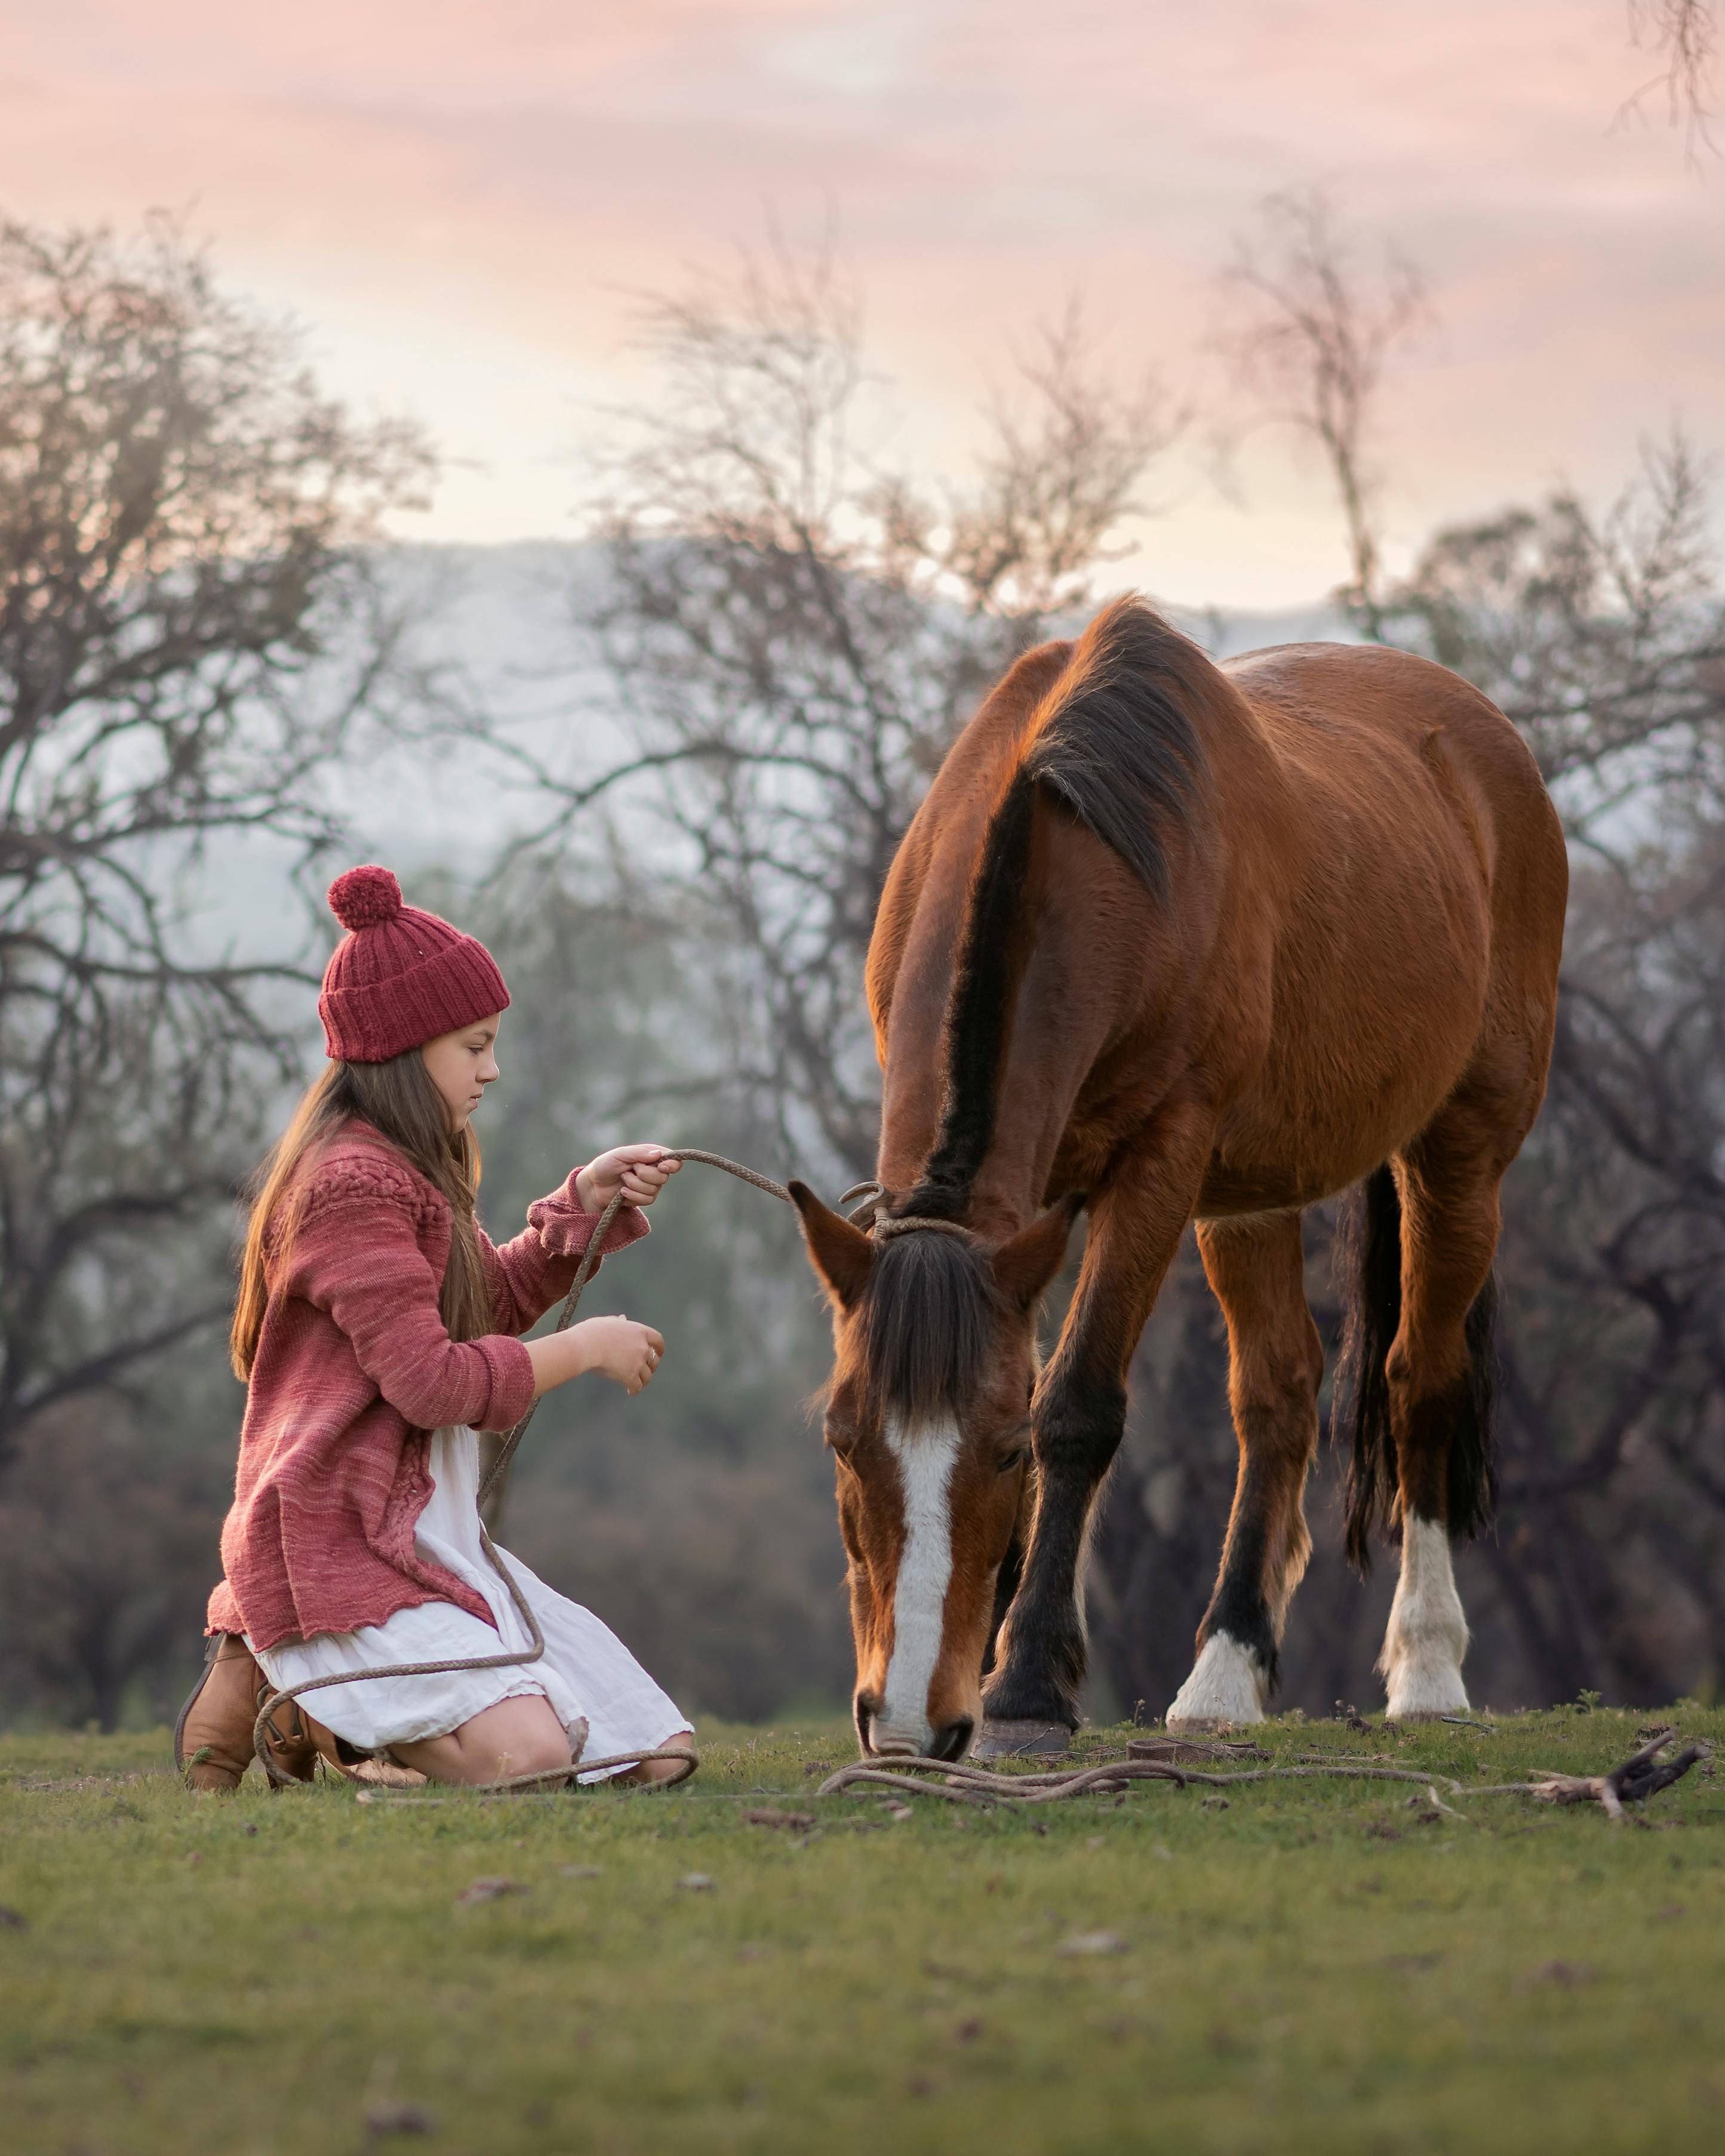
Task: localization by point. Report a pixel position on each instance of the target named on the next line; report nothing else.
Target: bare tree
(1604, 638)
(1066, 456)
(1684, 34)
(1309, 333)
(1600, 635)
(795, 634)
(1613, 1439)
(106, 1542)
(187, 632)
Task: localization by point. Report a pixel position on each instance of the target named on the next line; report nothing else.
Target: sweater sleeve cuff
(566, 1228)
(511, 1368)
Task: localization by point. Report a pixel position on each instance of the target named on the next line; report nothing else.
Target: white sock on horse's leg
(1226, 1685)
(1427, 1634)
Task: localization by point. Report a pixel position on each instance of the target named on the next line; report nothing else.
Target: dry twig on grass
(1642, 1775)
(1181, 1750)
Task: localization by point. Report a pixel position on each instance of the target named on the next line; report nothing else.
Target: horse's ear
(840, 1254)
(1024, 1265)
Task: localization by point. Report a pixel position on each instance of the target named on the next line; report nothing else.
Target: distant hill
(498, 632)
(503, 623)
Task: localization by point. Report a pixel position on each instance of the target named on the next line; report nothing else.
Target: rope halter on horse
(868, 1216)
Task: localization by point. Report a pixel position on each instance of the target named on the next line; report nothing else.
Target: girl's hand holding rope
(616, 1348)
(636, 1173)
(663, 1160)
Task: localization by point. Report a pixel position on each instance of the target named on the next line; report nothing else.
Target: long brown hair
(399, 1100)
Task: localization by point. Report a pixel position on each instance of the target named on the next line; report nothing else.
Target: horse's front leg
(1257, 1269)
(1137, 1219)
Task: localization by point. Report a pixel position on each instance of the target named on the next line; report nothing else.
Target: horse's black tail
(1369, 1264)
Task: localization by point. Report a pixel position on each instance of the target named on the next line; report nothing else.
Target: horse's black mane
(979, 1012)
(1117, 749)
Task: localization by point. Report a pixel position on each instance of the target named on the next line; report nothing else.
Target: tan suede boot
(213, 1738)
(371, 1771)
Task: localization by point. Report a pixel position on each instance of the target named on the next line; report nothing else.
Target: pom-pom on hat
(401, 976)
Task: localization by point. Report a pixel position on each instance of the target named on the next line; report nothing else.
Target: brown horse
(1170, 941)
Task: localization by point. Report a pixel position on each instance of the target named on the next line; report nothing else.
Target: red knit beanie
(402, 977)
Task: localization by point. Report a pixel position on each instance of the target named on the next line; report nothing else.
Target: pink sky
(457, 198)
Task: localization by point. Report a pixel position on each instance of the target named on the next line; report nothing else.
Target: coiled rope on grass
(1640, 1776)
(963, 1783)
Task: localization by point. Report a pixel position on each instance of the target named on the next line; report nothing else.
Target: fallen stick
(1181, 1750)
(1642, 1775)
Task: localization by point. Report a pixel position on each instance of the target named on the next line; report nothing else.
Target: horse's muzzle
(887, 1740)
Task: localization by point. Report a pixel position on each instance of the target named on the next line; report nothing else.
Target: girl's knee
(652, 1772)
(545, 1758)
(531, 1743)
(516, 1736)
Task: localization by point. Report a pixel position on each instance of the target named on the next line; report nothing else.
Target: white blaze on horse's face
(926, 1456)
(927, 1421)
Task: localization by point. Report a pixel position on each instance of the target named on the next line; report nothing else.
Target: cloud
(462, 201)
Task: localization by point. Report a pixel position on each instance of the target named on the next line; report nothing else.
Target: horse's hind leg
(1438, 1378)
(1275, 1367)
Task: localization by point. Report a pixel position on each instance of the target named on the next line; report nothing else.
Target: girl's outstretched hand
(618, 1347)
(640, 1172)
(621, 1348)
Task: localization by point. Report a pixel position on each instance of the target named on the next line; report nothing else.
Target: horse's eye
(1009, 1461)
(839, 1439)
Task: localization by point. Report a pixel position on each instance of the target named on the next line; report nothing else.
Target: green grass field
(1314, 1966)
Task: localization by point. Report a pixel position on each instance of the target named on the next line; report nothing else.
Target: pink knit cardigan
(354, 1368)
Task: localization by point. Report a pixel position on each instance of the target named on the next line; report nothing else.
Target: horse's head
(928, 1420)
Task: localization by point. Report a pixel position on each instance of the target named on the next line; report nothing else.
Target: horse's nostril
(863, 1709)
(953, 1740)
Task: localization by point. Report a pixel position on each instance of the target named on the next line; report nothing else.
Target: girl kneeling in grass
(376, 1330)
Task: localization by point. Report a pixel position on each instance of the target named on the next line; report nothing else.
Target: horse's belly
(1231, 1192)
(1310, 1162)
(1228, 1194)
(1331, 1103)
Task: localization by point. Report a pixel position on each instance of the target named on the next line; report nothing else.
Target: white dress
(586, 1671)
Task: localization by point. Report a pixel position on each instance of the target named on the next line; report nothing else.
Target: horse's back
(1392, 766)
(1348, 714)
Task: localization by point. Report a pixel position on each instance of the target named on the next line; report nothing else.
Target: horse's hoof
(1023, 1740)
